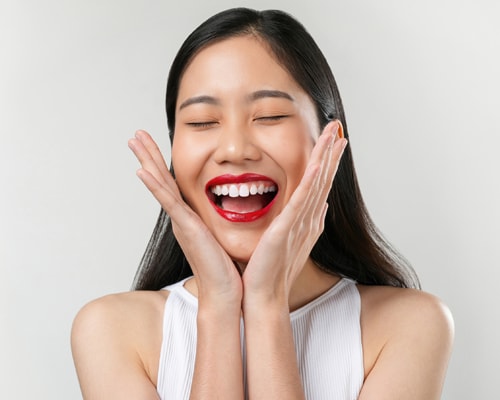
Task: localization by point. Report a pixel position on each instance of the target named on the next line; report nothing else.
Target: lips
(241, 198)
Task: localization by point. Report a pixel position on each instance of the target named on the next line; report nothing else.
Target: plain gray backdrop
(420, 83)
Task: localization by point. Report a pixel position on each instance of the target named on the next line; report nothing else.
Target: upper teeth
(242, 189)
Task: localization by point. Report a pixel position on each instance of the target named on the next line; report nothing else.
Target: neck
(311, 283)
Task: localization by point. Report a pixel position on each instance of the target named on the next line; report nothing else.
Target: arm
(414, 333)
(107, 344)
(218, 371)
(273, 372)
(274, 267)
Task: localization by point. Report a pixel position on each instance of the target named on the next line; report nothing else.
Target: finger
(334, 161)
(321, 156)
(149, 163)
(317, 210)
(169, 199)
(306, 190)
(322, 217)
(324, 141)
(313, 205)
(330, 165)
(321, 180)
(153, 150)
(304, 200)
(191, 234)
(183, 217)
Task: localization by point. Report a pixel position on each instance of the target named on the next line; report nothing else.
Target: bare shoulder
(123, 307)
(404, 305)
(115, 342)
(408, 334)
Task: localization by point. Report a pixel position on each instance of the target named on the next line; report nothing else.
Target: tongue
(243, 204)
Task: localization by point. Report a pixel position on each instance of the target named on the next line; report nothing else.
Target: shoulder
(404, 309)
(407, 332)
(117, 337)
(126, 306)
(399, 304)
(120, 317)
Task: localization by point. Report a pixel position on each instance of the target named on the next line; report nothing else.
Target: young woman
(277, 285)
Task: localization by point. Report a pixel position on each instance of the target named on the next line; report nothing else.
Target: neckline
(295, 314)
(192, 299)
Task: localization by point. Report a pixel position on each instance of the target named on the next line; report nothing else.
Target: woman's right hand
(217, 278)
(218, 365)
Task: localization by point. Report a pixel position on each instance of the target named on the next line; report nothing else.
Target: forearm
(272, 368)
(218, 371)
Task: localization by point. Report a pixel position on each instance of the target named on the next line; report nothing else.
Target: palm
(213, 269)
(285, 246)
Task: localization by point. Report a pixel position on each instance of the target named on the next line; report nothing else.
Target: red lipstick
(228, 179)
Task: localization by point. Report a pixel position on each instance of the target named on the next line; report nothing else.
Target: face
(244, 133)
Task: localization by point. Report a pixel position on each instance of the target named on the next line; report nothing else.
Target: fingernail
(335, 127)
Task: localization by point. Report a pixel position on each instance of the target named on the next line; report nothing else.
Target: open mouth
(243, 198)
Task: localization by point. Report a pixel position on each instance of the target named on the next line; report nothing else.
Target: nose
(236, 145)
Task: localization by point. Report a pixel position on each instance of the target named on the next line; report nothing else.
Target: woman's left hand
(286, 245)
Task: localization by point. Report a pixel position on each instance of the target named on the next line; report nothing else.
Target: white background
(420, 83)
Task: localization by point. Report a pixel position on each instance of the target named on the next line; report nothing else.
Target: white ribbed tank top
(327, 336)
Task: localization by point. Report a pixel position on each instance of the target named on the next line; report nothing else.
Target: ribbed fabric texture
(327, 336)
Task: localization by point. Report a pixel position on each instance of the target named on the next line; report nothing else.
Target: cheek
(291, 153)
(296, 157)
(187, 161)
(190, 159)
(178, 166)
(295, 160)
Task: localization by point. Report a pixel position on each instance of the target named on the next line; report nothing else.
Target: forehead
(241, 62)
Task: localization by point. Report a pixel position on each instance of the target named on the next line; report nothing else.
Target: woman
(277, 284)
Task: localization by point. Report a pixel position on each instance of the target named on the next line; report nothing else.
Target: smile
(241, 198)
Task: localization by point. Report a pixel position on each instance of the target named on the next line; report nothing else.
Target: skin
(406, 334)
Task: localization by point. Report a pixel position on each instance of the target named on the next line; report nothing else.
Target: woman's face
(244, 132)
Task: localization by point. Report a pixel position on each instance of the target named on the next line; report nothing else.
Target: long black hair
(350, 245)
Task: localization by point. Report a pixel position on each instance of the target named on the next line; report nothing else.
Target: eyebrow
(199, 99)
(259, 94)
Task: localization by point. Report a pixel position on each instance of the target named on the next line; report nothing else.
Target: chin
(239, 256)
(239, 251)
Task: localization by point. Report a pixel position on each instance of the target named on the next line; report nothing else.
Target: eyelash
(208, 124)
(271, 118)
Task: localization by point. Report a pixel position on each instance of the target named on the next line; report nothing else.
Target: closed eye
(272, 118)
(201, 124)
